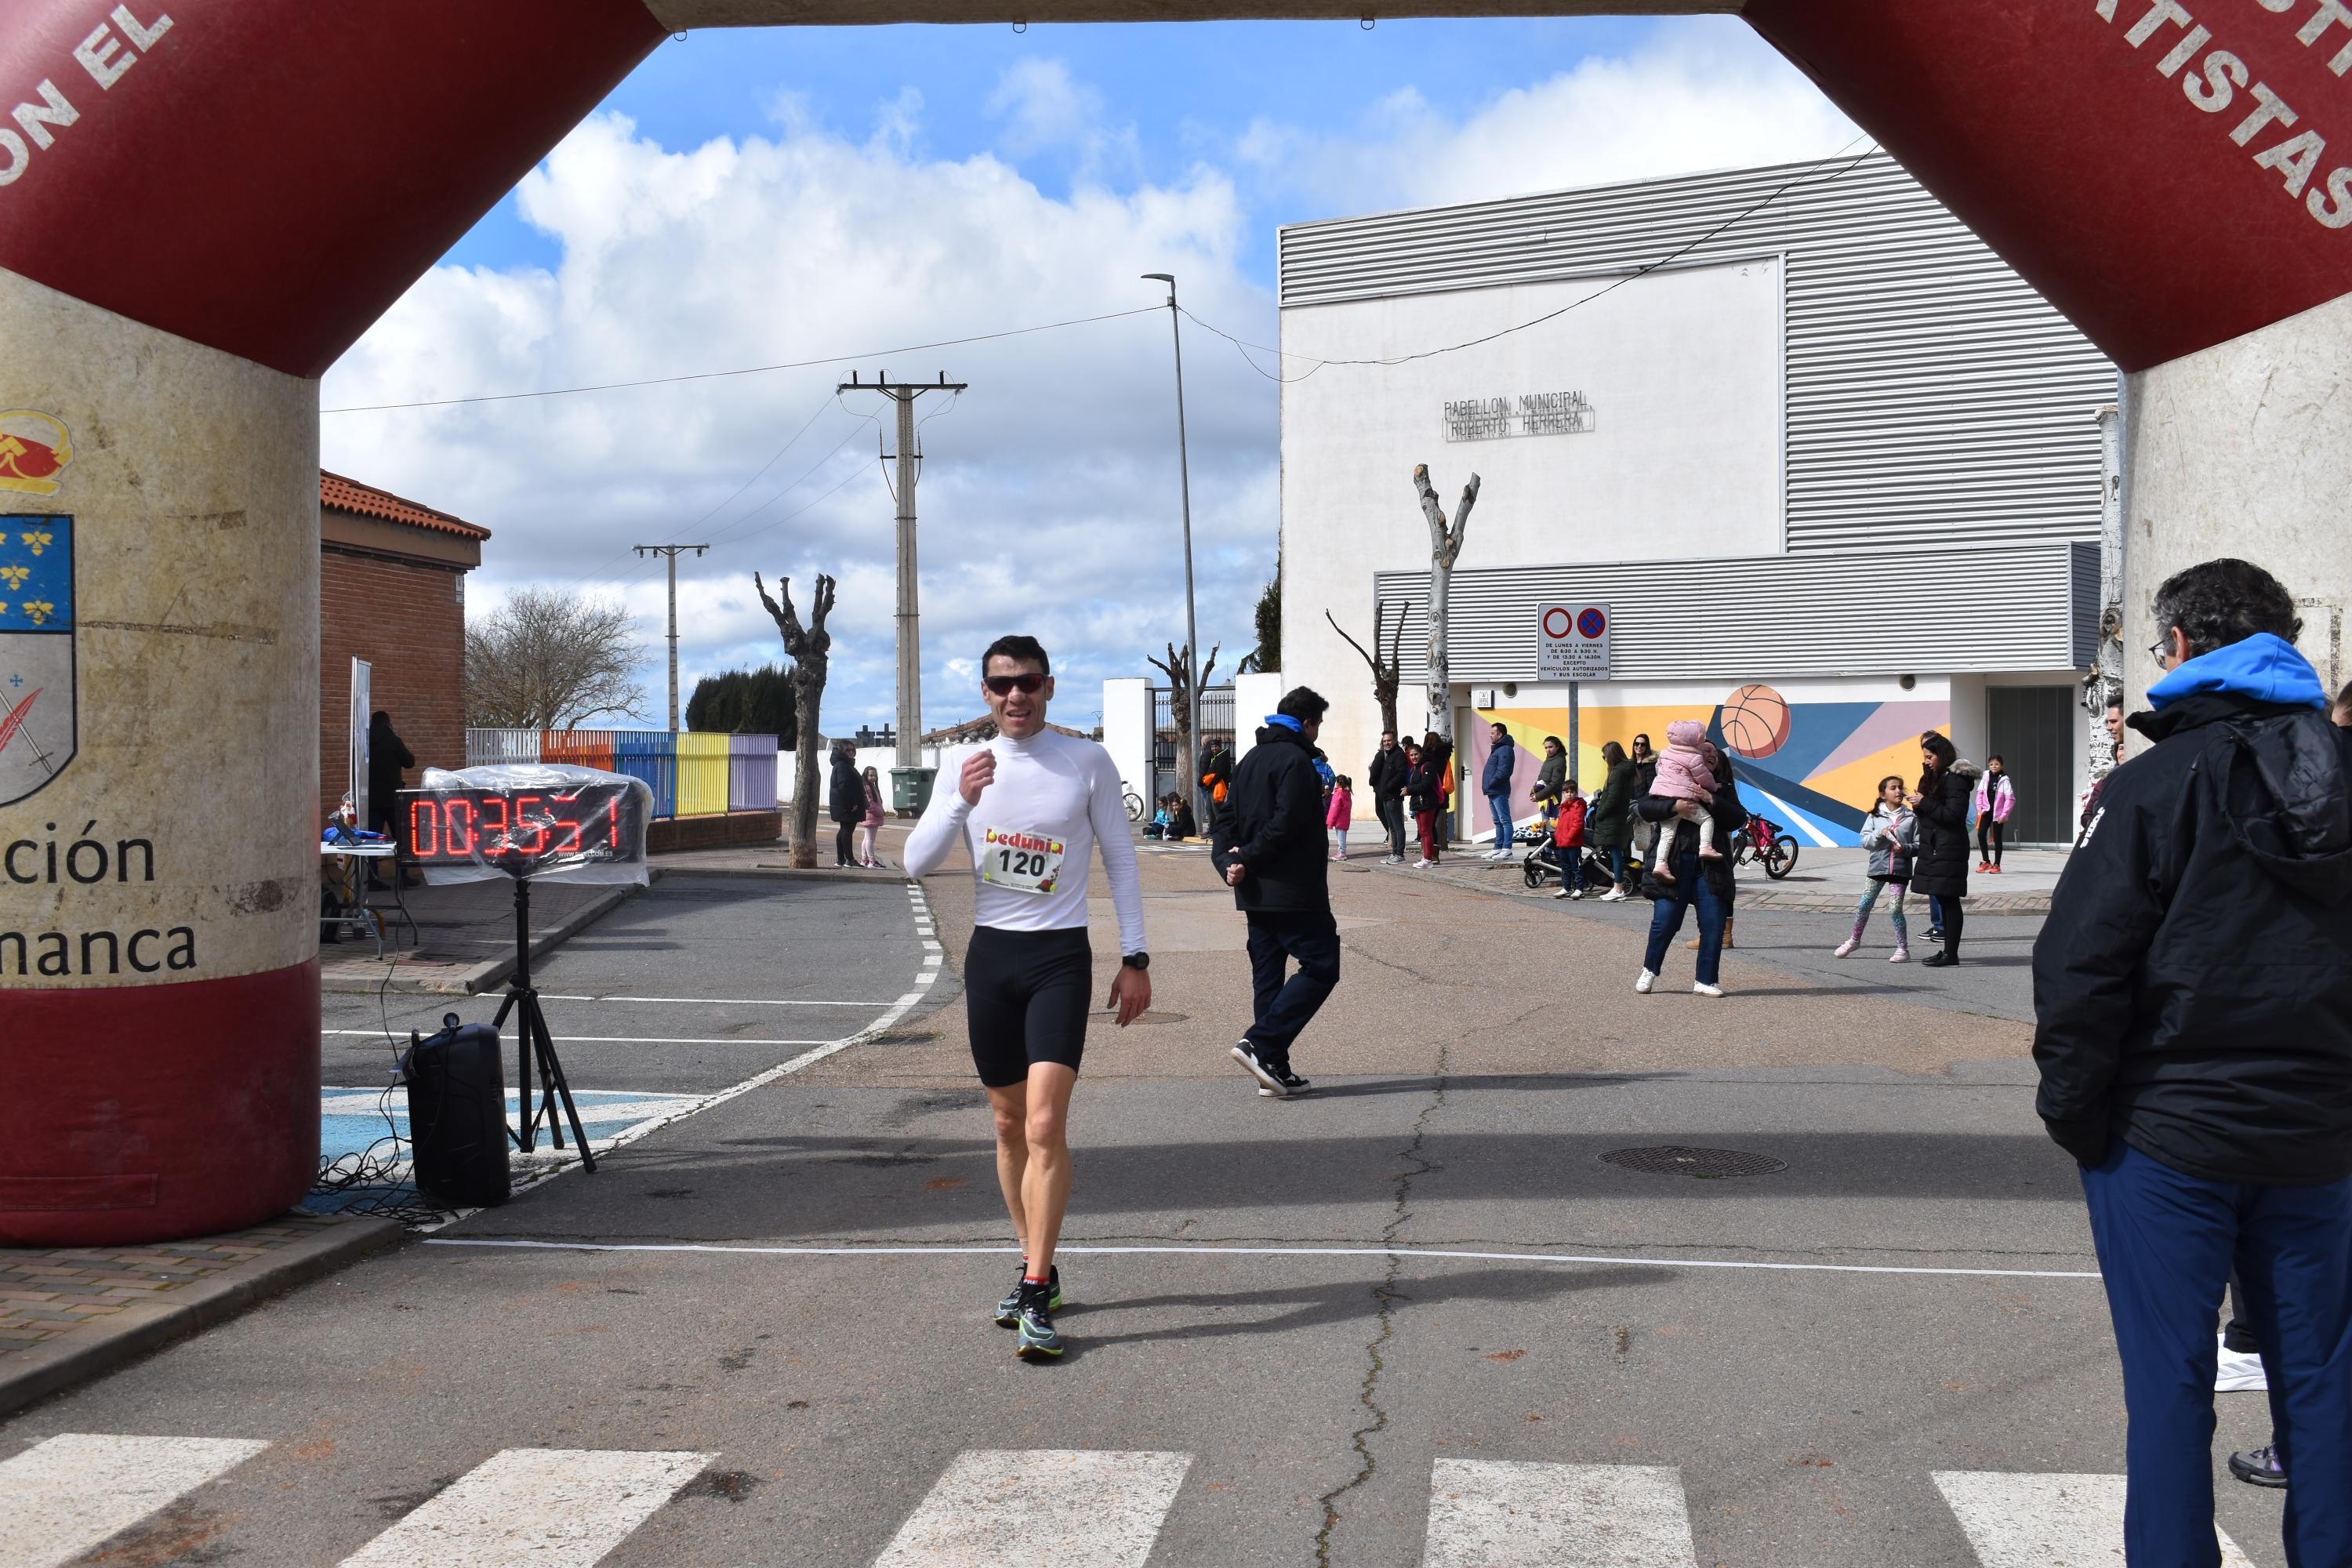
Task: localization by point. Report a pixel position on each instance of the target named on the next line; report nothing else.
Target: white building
(1827, 451)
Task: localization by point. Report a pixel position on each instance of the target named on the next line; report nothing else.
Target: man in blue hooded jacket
(2192, 993)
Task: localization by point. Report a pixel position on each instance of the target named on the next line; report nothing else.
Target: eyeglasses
(1006, 685)
(2160, 650)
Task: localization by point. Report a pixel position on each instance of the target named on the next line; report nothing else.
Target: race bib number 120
(1024, 862)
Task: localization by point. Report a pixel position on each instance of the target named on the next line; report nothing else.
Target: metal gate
(1216, 725)
(2036, 731)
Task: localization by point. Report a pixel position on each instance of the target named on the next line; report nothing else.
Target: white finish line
(562, 1507)
(1493, 1513)
(1074, 1249)
(2041, 1520)
(631, 1040)
(1064, 1506)
(61, 1497)
(710, 1001)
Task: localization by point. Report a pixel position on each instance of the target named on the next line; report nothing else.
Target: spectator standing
(1551, 778)
(1646, 779)
(1387, 776)
(1609, 821)
(1494, 783)
(2116, 737)
(1268, 848)
(1339, 812)
(1432, 783)
(1992, 801)
(1703, 885)
(1890, 833)
(845, 800)
(388, 754)
(2192, 991)
(870, 824)
(1567, 843)
(1687, 776)
(1940, 867)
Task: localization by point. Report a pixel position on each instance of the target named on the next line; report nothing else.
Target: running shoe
(1422, 865)
(2239, 1371)
(1039, 1336)
(2259, 1466)
(1268, 1078)
(1846, 947)
(1900, 955)
(1291, 1084)
(1644, 981)
(1008, 1311)
(1701, 988)
(1613, 896)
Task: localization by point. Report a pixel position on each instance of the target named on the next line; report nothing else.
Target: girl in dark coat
(1940, 870)
(1608, 825)
(1427, 791)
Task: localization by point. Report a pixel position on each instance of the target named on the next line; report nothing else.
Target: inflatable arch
(204, 202)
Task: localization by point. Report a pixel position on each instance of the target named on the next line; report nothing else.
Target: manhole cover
(1157, 1016)
(1680, 1162)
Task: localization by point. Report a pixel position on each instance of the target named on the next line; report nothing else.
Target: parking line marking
(1440, 1253)
(1496, 1513)
(539, 1505)
(1073, 1508)
(66, 1495)
(2046, 1520)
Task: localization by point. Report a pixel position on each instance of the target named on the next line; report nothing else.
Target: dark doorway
(2033, 733)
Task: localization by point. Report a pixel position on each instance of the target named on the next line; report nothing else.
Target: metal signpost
(1573, 644)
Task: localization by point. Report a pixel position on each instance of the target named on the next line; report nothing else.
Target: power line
(1242, 346)
(748, 370)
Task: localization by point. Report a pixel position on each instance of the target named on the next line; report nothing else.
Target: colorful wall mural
(1812, 767)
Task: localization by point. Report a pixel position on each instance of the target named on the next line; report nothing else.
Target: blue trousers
(1691, 886)
(1498, 806)
(2167, 1242)
(1285, 1006)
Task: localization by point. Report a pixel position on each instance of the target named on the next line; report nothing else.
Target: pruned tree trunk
(1387, 671)
(1445, 549)
(2106, 681)
(808, 648)
(1178, 668)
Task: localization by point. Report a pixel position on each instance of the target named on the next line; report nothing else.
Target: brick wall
(406, 619)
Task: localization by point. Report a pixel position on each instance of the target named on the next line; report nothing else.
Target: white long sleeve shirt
(1052, 795)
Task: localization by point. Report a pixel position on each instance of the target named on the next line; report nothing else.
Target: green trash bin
(910, 790)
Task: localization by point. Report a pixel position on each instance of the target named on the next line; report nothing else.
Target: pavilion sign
(1529, 413)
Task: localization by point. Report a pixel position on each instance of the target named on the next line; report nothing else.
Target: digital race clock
(527, 821)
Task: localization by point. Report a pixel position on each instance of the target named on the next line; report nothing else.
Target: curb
(1751, 895)
(491, 972)
(142, 1328)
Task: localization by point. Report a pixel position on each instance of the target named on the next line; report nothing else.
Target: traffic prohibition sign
(1589, 624)
(1556, 622)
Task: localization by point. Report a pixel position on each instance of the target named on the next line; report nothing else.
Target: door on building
(2036, 731)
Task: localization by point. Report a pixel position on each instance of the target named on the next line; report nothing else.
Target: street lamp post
(1191, 764)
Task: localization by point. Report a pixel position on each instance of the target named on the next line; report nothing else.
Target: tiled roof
(350, 495)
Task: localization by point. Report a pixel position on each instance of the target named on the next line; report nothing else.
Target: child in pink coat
(1338, 813)
(1686, 773)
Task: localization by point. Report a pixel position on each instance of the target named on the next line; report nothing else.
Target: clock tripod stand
(534, 1043)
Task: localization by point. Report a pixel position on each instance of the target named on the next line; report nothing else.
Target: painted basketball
(1754, 721)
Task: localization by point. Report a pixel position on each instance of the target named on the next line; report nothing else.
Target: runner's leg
(1011, 1105)
(1045, 1184)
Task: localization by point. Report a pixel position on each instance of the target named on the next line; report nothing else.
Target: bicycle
(1765, 843)
(1134, 806)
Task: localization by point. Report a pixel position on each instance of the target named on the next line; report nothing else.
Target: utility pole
(671, 550)
(910, 614)
(1191, 764)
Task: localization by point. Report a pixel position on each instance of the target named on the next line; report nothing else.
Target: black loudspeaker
(457, 1115)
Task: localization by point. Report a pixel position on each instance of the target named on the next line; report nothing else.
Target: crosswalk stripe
(552, 1507)
(1496, 1513)
(2046, 1520)
(1073, 1509)
(62, 1497)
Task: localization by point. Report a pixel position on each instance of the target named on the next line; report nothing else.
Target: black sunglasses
(1006, 685)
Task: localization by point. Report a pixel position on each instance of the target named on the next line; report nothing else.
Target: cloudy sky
(752, 198)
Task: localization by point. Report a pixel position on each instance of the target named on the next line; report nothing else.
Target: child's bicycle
(1767, 844)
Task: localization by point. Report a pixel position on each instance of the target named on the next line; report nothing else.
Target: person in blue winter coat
(2192, 999)
(1496, 785)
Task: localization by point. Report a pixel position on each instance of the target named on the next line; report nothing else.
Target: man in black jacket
(2192, 991)
(1269, 848)
(1387, 776)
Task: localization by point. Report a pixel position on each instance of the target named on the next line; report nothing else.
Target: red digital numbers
(462, 827)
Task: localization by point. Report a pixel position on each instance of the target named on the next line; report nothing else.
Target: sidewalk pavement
(1825, 880)
(465, 937)
(72, 1313)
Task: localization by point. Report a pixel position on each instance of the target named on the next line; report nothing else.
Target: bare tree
(1445, 549)
(808, 647)
(1178, 668)
(550, 658)
(1386, 667)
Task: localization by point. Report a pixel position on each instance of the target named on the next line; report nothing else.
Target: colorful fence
(691, 773)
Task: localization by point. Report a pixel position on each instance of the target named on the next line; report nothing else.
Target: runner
(1031, 807)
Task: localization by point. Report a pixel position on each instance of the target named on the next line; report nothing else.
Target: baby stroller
(1543, 866)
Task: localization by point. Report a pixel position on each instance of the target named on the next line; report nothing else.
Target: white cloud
(1700, 94)
(1049, 497)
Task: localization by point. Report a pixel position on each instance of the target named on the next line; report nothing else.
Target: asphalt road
(1416, 1318)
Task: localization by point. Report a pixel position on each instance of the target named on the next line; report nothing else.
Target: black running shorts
(1025, 996)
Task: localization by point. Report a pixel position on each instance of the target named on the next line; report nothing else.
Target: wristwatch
(1136, 960)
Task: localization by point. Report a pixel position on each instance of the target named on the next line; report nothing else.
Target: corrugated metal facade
(1933, 398)
(1787, 615)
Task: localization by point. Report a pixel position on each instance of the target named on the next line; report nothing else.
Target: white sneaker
(1564, 893)
(1576, 893)
(1613, 896)
(1645, 981)
(1846, 947)
(1701, 988)
(1422, 865)
(2239, 1371)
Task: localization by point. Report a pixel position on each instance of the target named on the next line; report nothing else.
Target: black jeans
(1988, 830)
(1284, 1007)
(1391, 813)
(844, 845)
(1949, 918)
